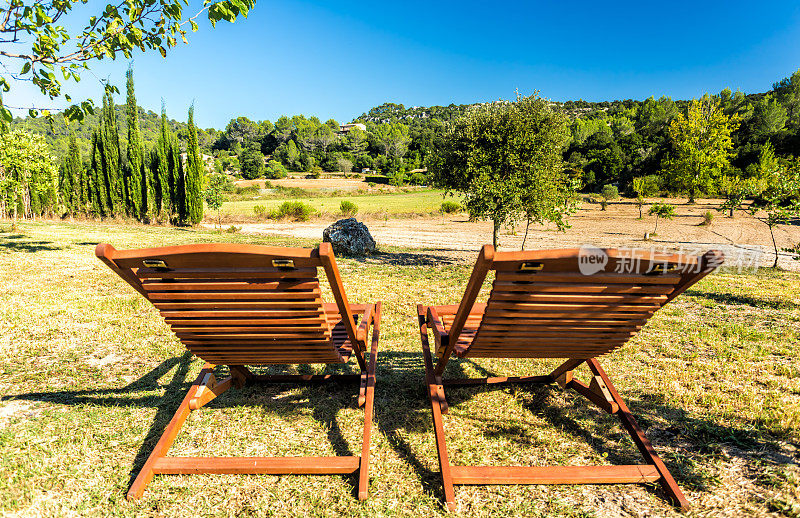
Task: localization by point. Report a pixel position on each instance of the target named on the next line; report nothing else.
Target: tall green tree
(70, 179)
(506, 160)
(135, 179)
(179, 178)
(701, 146)
(163, 174)
(111, 190)
(28, 176)
(252, 162)
(194, 175)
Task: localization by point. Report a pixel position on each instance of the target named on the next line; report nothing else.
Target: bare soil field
(744, 239)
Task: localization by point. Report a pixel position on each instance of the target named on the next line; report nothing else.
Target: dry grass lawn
(90, 376)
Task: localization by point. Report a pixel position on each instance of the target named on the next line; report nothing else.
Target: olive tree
(505, 158)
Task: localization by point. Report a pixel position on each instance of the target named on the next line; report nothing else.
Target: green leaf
(26, 67)
(5, 113)
(194, 25)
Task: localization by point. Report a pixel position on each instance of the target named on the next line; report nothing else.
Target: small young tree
(344, 165)
(734, 190)
(661, 210)
(608, 193)
(644, 187)
(215, 193)
(701, 146)
(505, 158)
(780, 198)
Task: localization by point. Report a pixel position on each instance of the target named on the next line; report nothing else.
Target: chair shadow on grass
(23, 243)
(668, 426)
(324, 399)
(407, 258)
(744, 300)
(402, 405)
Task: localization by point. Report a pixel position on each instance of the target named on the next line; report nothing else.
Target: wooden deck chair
(542, 306)
(239, 305)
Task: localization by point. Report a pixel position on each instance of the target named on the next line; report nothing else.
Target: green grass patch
(418, 202)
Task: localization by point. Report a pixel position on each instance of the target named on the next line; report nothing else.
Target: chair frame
(599, 391)
(207, 387)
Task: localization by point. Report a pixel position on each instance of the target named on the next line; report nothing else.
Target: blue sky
(337, 59)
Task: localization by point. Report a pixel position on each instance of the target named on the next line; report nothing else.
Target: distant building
(345, 128)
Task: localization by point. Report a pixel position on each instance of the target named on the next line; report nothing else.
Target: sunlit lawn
(91, 375)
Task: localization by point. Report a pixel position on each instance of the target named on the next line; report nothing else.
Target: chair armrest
(435, 323)
(366, 321)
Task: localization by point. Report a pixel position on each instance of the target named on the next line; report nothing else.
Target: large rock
(349, 237)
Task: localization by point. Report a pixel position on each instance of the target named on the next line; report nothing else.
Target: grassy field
(421, 202)
(91, 375)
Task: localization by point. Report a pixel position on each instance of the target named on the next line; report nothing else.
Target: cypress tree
(96, 193)
(110, 155)
(136, 184)
(69, 180)
(162, 177)
(180, 182)
(194, 200)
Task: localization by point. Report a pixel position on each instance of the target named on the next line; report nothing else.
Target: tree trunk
(774, 245)
(495, 232)
(527, 226)
(640, 211)
(691, 196)
(656, 229)
(730, 215)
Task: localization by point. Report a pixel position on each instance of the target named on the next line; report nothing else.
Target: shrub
(296, 210)
(708, 217)
(371, 184)
(418, 179)
(348, 208)
(251, 190)
(275, 170)
(260, 211)
(315, 172)
(450, 207)
(233, 229)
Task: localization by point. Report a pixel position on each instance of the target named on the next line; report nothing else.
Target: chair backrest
(240, 304)
(572, 303)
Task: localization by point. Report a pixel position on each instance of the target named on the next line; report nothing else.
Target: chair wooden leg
(167, 438)
(666, 480)
(206, 388)
(436, 409)
(369, 396)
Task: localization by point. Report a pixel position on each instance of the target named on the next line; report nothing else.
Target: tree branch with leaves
(47, 48)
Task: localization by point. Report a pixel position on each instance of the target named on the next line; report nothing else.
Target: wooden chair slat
(225, 285)
(555, 287)
(212, 274)
(578, 278)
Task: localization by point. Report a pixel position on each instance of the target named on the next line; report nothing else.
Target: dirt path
(744, 239)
